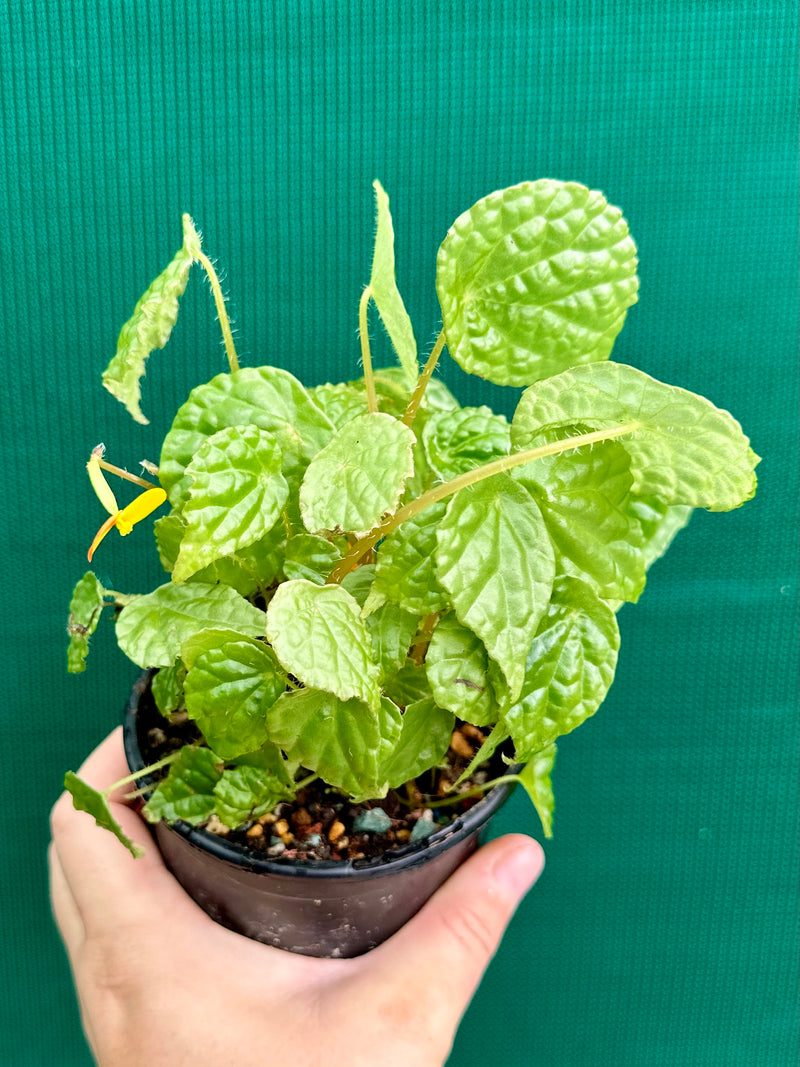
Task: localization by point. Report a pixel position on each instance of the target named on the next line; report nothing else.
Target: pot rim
(413, 855)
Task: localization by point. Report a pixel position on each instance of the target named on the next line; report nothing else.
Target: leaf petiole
(165, 762)
(366, 355)
(424, 378)
(219, 300)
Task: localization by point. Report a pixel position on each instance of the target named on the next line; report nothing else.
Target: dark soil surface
(322, 824)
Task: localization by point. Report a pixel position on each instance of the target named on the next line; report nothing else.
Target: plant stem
(487, 470)
(366, 355)
(140, 774)
(476, 790)
(424, 378)
(124, 474)
(222, 314)
(306, 781)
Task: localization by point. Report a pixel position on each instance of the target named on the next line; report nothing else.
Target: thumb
(453, 938)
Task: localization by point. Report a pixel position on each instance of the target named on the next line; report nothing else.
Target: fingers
(106, 883)
(453, 938)
(65, 910)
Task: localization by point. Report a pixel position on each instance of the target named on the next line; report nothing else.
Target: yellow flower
(123, 518)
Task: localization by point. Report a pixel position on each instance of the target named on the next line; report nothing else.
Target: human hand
(162, 984)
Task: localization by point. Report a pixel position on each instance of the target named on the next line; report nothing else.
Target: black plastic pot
(334, 909)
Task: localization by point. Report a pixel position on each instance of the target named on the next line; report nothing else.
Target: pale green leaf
(341, 402)
(391, 629)
(458, 441)
(409, 685)
(236, 496)
(533, 279)
(683, 450)
(149, 326)
(320, 638)
(231, 682)
(85, 609)
(405, 572)
(86, 798)
(187, 793)
(569, 669)
(495, 559)
(166, 686)
(246, 791)
(384, 291)
(359, 476)
(152, 629)
(345, 742)
(311, 557)
(422, 744)
(535, 779)
(461, 674)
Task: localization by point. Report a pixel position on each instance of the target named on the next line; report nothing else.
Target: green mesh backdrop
(663, 931)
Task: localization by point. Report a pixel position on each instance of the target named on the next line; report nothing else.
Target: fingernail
(519, 868)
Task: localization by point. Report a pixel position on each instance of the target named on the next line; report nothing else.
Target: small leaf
(423, 742)
(149, 326)
(359, 476)
(405, 570)
(320, 638)
(495, 559)
(310, 557)
(569, 670)
(535, 779)
(187, 792)
(534, 279)
(231, 682)
(392, 630)
(384, 291)
(167, 688)
(246, 792)
(458, 441)
(236, 496)
(85, 609)
(460, 673)
(85, 798)
(346, 743)
(683, 450)
(152, 629)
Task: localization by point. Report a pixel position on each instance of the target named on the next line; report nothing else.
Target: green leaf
(187, 792)
(392, 630)
(570, 667)
(85, 798)
(384, 291)
(346, 743)
(405, 571)
(231, 682)
(320, 638)
(235, 499)
(311, 557)
(683, 450)
(409, 685)
(341, 402)
(150, 325)
(152, 629)
(266, 397)
(660, 524)
(458, 441)
(535, 779)
(461, 673)
(534, 279)
(359, 476)
(247, 791)
(358, 583)
(167, 688)
(424, 740)
(85, 609)
(495, 559)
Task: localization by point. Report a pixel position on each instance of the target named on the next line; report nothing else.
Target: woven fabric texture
(664, 929)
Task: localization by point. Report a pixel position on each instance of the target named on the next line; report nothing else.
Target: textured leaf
(311, 557)
(85, 798)
(231, 682)
(460, 673)
(152, 629)
(405, 571)
(458, 441)
(150, 325)
(495, 559)
(346, 743)
(534, 279)
(384, 291)
(166, 687)
(409, 685)
(392, 629)
(535, 779)
(424, 740)
(359, 476)
(187, 792)
(85, 609)
(266, 397)
(683, 449)
(247, 791)
(235, 499)
(569, 670)
(320, 638)
(341, 402)
(660, 524)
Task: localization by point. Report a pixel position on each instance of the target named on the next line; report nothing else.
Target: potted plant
(382, 606)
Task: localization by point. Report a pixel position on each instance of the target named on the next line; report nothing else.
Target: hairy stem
(441, 492)
(424, 378)
(366, 355)
(140, 774)
(222, 314)
(124, 474)
(474, 792)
